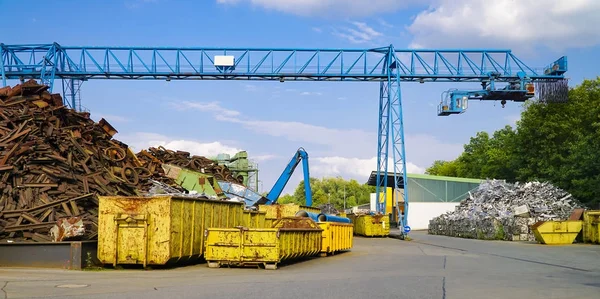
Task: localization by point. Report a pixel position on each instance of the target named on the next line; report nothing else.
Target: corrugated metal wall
(435, 190)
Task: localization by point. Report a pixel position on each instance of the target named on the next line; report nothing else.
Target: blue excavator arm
(287, 174)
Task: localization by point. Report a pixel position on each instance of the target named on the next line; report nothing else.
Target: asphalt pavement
(425, 267)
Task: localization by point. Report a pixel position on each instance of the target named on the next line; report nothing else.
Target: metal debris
(153, 158)
(67, 229)
(54, 162)
(500, 210)
(329, 209)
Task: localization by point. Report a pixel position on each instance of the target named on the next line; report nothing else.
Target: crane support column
(398, 148)
(382, 146)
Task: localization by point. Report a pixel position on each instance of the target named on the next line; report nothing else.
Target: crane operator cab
(453, 103)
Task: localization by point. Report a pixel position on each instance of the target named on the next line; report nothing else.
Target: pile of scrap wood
(55, 162)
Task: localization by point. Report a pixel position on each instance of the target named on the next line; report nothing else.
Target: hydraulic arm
(287, 174)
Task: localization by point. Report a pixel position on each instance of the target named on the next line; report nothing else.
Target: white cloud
(383, 23)
(317, 29)
(421, 149)
(262, 158)
(309, 93)
(214, 107)
(143, 140)
(359, 34)
(340, 8)
(354, 168)
(556, 24)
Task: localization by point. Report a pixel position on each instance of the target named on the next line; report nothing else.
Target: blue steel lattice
(386, 65)
(45, 61)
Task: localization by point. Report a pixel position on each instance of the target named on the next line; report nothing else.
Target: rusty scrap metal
(67, 229)
(54, 161)
(153, 158)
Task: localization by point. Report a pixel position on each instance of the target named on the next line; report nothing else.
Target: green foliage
(332, 190)
(443, 168)
(286, 198)
(559, 143)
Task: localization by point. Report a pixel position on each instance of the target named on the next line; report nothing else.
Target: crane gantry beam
(386, 65)
(164, 63)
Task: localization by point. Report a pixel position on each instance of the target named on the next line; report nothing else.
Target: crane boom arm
(287, 174)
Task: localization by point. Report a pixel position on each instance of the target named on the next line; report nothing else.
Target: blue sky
(335, 122)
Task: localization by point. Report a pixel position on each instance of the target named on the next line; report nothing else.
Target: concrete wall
(419, 213)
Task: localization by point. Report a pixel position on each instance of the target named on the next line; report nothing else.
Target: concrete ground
(426, 267)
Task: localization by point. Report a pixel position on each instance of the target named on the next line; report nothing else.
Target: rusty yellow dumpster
(371, 225)
(337, 237)
(159, 230)
(285, 210)
(591, 227)
(255, 219)
(244, 246)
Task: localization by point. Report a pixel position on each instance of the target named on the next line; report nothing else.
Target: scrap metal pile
(154, 157)
(504, 211)
(54, 162)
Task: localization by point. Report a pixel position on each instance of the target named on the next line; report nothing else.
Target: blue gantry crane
(387, 65)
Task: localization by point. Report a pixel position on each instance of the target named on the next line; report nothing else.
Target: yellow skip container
(337, 237)
(557, 232)
(159, 230)
(289, 239)
(371, 225)
(255, 219)
(591, 227)
(277, 211)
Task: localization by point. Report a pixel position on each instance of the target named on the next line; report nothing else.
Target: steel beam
(74, 255)
(198, 63)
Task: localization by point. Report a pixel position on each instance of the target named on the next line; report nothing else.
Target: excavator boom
(285, 176)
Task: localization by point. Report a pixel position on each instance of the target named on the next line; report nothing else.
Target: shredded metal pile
(499, 210)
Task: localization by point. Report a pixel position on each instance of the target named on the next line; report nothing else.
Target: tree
(333, 190)
(443, 168)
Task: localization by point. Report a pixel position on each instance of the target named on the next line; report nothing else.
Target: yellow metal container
(591, 227)
(285, 210)
(269, 222)
(262, 246)
(159, 230)
(371, 225)
(557, 232)
(254, 219)
(336, 237)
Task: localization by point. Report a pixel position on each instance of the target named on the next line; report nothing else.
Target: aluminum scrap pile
(328, 209)
(504, 211)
